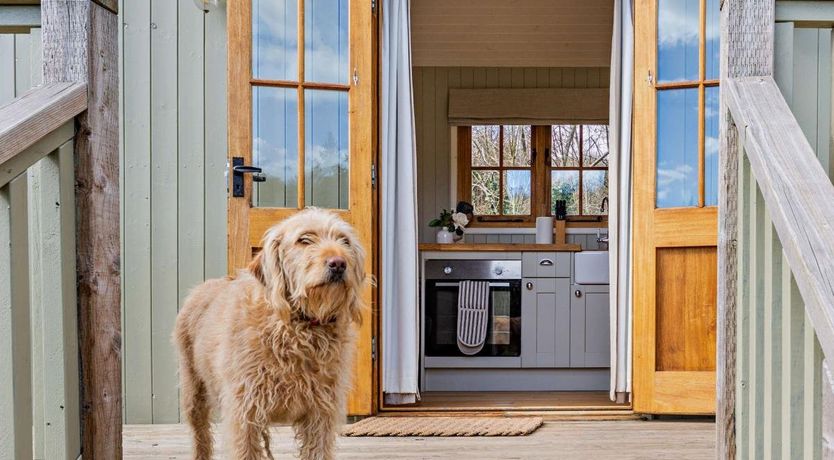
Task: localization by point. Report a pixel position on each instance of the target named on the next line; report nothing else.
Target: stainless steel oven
(441, 305)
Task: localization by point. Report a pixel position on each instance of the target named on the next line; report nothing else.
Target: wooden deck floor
(554, 440)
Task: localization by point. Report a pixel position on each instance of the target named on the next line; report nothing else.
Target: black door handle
(238, 171)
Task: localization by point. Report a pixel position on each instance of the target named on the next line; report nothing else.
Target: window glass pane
(275, 146)
(677, 40)
(485, 145)
(564, 185)
(326, 41)
(326, 149)
(711, 146)
(485, 198)
(275, 39)
(594, 189)
(713, 33)
(564, 148)
(517, 192)
(595, 145)
(517, 145)
(677, 148)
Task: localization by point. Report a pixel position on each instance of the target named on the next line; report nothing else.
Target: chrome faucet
(602, 206)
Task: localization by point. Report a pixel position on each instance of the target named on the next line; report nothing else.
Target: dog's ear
(358, 306)
(257, 269)
(272, 274)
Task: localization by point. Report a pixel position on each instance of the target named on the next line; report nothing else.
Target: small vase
(445, 237)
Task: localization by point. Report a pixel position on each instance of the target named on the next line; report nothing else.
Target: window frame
(540, 174)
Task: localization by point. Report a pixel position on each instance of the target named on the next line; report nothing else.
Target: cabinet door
(590, 333)
(545, 323)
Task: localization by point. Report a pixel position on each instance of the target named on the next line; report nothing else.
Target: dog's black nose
(337, 265)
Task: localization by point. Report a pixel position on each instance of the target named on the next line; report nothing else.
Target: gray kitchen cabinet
(590, 334)
(546, 264)
(545, 324)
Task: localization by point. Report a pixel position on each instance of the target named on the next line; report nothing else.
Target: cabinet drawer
(545, 264)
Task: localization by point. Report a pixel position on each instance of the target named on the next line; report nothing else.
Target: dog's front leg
(316, 434)
(243, 434)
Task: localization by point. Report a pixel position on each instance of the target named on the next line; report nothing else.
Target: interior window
(501, 162)
(507, 183)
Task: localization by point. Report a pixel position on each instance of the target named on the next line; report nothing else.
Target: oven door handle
(444, 284)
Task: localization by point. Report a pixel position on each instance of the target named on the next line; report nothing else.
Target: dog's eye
(344, 241)
(305, 241)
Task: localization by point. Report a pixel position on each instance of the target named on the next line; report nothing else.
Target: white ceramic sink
(590, 267)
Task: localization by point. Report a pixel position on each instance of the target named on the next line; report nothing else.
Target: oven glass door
(503, 328)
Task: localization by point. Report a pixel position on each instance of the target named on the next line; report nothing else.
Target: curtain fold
(399, 277)
(619, 218)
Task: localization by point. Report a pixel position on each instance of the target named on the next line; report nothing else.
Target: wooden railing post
(746, 49)
(80, 44)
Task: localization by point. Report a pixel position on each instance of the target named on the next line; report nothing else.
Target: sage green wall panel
(173, 186)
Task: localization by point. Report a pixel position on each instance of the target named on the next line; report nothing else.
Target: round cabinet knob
(447, 270)
(577, 293)
(529, 286)
(498, 270)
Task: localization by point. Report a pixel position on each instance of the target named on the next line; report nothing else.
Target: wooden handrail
(798, 194)
(29, 118)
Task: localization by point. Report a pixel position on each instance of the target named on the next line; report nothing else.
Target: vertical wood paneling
(174, 184)
(214, 246)
(22, 64)
(743, 309)
(136, 234)
(15, 358)
(164, 216)
(812, 394)
(772, 340)
(793, 314)
(7, 68)
(756, 337)
(433, 131)
(823, 118)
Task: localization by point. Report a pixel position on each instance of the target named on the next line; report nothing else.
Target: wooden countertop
(499, 247)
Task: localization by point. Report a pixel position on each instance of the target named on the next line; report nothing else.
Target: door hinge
(373, 348)
(373, 175)
(373, 6)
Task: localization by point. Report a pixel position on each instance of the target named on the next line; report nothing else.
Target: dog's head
(312, 264)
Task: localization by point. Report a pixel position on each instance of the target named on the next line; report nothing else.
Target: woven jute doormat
(443, 426)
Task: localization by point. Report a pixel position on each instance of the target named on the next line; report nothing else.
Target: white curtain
(619, 218)
(400, 312)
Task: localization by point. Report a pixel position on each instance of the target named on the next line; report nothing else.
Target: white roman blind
(529, 106)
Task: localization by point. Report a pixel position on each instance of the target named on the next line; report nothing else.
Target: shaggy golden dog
(275, 343)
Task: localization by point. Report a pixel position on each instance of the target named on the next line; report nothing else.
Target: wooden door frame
(650, 224)
(243, 236)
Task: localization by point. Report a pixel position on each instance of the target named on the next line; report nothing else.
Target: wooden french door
(675, 198)
(300, 96)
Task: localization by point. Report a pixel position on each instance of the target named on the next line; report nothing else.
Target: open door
(300, 96)
(675, 198)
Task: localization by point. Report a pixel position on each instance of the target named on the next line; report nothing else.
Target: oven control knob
(499, 270)
(447, 270)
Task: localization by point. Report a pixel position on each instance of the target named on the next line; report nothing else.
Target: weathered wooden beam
(29, 118)
(746, 49)
(797, 191)
(80, 43)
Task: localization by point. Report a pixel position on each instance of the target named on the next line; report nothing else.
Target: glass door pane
(677, 40)
(275, 146)
(326, 144)
(677, 148)
(275, 39)
(326, 41)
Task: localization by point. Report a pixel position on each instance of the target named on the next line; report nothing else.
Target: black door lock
(238, 170)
